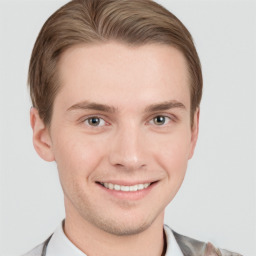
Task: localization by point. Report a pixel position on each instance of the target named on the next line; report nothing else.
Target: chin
(124, 229)
(120, 226)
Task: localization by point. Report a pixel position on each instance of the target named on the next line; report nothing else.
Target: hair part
(132, 22)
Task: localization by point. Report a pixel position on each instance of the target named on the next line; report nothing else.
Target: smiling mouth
(118, 187)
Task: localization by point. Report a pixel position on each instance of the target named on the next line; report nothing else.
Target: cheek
(76, 157)
(172, 154)
(174, 160)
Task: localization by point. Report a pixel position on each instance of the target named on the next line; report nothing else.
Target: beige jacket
(192, 247)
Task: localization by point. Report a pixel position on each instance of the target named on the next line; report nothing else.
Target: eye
(160, 120)
(95, 121)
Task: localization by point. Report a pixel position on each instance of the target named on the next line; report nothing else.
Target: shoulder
(192, 247)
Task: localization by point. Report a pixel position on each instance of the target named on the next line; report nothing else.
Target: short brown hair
(133, 22)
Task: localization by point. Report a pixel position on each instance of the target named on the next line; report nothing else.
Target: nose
(128, 149)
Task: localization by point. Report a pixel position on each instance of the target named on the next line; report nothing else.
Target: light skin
(122, 117)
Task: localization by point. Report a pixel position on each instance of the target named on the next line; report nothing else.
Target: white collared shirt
(60, 245)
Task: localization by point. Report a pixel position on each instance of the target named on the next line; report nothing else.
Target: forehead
(103, 72)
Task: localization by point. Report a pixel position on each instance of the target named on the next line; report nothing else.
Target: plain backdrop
(217, 201)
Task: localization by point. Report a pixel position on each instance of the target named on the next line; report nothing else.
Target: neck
(93, 241)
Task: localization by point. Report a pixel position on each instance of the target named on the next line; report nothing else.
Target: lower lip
(124, 195)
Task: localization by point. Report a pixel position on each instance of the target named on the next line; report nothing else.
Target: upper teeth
(125, 188)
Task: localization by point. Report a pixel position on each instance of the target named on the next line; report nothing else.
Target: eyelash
(86, 121)
(151, 121)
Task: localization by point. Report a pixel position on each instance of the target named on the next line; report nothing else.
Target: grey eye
(95, 121)
(159, 120)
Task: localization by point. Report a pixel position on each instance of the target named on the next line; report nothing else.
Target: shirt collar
(173, 248)
(60, 245)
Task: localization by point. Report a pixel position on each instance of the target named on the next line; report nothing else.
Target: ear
(41, 136)
(194, 132)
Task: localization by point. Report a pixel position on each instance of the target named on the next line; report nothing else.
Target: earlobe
(194, 132)
(41, 137)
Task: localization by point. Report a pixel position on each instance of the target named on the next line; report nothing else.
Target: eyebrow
(86, 105)
(165, 106)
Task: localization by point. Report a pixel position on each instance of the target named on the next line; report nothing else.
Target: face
(120, 133)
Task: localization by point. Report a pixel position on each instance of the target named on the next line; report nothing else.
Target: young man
(116, 88)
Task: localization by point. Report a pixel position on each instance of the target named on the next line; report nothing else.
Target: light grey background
(217, 201)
